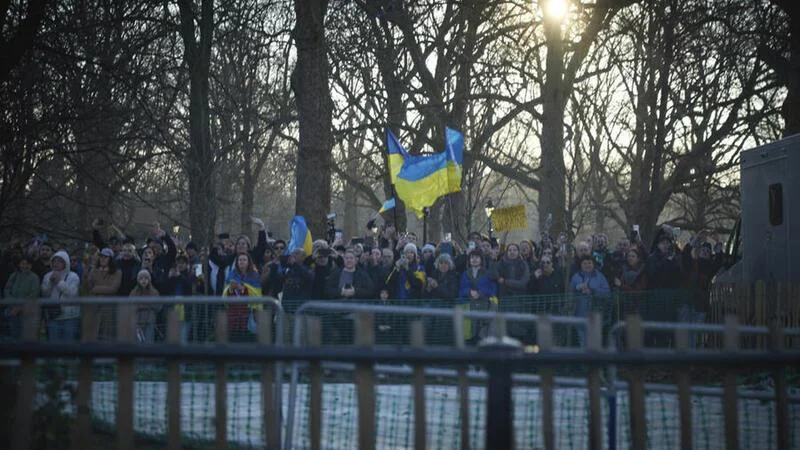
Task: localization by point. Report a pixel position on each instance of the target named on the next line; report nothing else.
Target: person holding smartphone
(349, 282)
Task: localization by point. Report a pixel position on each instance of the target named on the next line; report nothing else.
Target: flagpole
(425, 212)
(394, 210)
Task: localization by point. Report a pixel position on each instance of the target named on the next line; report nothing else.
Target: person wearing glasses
(546, 280)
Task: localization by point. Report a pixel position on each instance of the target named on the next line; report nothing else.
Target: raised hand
(258, 222)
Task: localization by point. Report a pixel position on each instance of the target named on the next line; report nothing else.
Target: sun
(555, 10)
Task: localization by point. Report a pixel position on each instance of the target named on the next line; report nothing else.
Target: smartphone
(337, 235)
(331, 216)
(471, 245)
(448, 237)
(635, 233)
(198, 270)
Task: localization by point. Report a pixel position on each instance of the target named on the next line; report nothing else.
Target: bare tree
(200, 157)
(314, 107)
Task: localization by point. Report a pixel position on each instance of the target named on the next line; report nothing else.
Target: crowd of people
(384, 264)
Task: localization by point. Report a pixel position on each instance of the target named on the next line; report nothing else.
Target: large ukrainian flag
(299, 235)
(397, 155)
(425, 178)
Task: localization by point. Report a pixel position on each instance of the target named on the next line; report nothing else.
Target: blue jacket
(483, 283)
(596, 282)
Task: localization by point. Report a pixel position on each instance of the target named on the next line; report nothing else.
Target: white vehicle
(767, 235)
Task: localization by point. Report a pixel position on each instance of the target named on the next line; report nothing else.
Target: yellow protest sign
(510, 218)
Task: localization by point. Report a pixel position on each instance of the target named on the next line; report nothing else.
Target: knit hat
(410, 248)
(107, 252)
(428, 248)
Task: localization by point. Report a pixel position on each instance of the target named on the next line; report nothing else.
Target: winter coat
(405, 284)
(298, 282)
(102, 283)
(663, 273)
(65, 288)
(321, 274)
(22, 285)
(221, 265)
(481, 282)
(515, 274)
(447, 285)
(596, 282)
(552, 284)
(129, 268)
(362, 283)
(162, 265)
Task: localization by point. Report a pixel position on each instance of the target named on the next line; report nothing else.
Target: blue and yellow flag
(425, 178)
(397, 154)
(299, 235)
(387, 205)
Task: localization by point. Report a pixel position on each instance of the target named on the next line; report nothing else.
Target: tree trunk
(552, 195)
(248, 200)
(791, 105)
(199, 158)
(314, 106)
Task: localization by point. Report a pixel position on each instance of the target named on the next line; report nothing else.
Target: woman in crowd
(479, 291)
(590, 286)
(633, 277)
(442, 289)
(407, 280)
(512, 273)
(243, 281)
(145, 313)
(129, 265)
(443, 283)
(428, 258)
(63, 323)
(528, 251)
(104, 280)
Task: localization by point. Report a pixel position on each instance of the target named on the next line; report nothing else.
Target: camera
(331, 218)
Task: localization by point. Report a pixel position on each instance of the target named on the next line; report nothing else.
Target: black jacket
(447, 285)
(162, 264)
(548, 285)
(362, 283)
(664, 273)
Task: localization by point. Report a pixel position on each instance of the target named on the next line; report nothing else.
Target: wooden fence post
(731, 387)
(365, 382)
(126, 333)
(637, 393)
(83, 400)
(271, 426)
(420, 429)
(221, 385)
(595, 344)
(684, 391)
(544, 334)
(314, 332)
(174, 384)
(463, 383)
(27, 390)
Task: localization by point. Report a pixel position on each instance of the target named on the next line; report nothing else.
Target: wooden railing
(500, 355)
